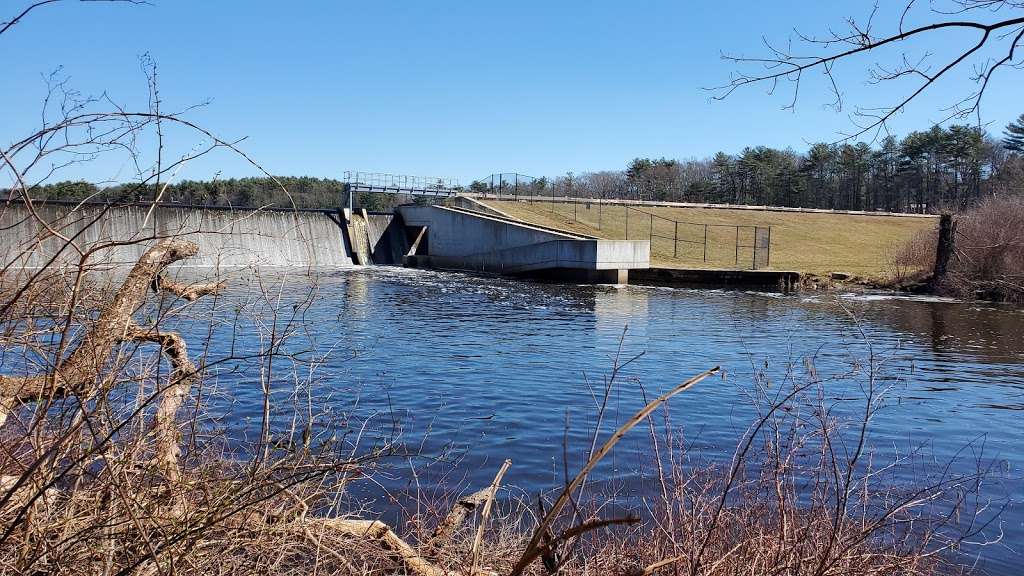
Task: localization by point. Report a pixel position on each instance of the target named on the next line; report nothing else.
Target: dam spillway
(229, 238)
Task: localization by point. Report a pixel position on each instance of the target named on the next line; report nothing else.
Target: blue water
(465, 371)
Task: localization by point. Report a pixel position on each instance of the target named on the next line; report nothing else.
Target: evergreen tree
(942, 168)
(1014, 136)
(724, 175)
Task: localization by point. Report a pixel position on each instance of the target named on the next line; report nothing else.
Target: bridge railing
(400, 183)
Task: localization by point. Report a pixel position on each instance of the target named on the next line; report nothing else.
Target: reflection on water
(984, 332)
(481, 369)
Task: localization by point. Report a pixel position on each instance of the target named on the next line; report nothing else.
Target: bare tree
(991, 40)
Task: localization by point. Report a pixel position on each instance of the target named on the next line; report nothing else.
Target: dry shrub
(805, 493)
(914, 260)
(86, 487)
(989, 259)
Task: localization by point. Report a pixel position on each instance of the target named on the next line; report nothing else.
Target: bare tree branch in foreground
(995, 45)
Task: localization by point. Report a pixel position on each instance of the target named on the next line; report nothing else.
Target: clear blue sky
(457, 89)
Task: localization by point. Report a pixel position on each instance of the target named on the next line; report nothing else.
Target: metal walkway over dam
(497, 184)
(381, 183)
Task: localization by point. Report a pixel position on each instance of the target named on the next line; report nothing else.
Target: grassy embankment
(806, 242)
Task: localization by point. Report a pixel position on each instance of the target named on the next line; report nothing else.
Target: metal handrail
(380, 181)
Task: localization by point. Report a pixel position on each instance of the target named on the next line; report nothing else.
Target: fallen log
(456, 517)
(380, 535)
(81, 372)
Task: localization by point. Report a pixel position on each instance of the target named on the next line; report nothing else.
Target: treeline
(937, 169)
(303, 191)
(263, 192)
(929, 171)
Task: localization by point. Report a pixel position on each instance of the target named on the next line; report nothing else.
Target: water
(468, 371)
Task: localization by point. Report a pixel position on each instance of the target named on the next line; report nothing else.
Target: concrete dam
(464, 235)
(229, 238)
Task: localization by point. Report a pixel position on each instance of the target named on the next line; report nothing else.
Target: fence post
(600, 206)
(575, 203)
(627, 221)
(650, 230)
(705, 243)
(675, 240)
(737, 246)
(768, 255)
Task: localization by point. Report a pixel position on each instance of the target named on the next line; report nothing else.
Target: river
(466, 371)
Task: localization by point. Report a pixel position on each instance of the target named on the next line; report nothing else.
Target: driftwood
(491, 493)
(417, 562)
(188, 292)
(80, 373)
(456, 517)
(163, 427)
(538, 545)
(380, 535)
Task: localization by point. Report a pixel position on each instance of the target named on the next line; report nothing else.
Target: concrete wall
(474, 205)
(227, 238)
(473, 241)
(457, 233)
(388, 243)
(567, 254)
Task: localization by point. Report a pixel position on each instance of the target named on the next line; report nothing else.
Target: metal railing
(401, 183)
(510, 185)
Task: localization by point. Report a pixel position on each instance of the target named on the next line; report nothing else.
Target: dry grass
(805, 242)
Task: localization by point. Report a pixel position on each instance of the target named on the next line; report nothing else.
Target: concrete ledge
(669, 204)
(773, 280)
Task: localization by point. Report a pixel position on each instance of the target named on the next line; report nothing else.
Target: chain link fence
(691, 243)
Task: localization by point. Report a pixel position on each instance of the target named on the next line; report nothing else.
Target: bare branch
(789, 66)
